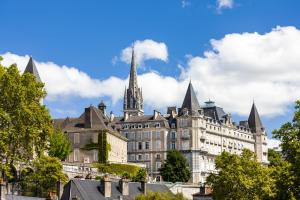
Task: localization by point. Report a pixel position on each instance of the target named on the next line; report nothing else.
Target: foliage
(141, 175)
(241, 177)
(25, 124)
(118, 169)
(160, 196)
(175, 168)
(289, 134)
(60, 146)
(104, 146)
(46, 172)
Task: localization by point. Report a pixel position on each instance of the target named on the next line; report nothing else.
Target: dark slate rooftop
(31, 68)
(190, 101)
(213, 111)
(90, 190)
(15, 197)
(254, 120)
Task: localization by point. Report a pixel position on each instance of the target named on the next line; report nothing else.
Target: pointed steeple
(254, 120)
(31, 68)
(133, 73)
(190, 101)
(133, 100)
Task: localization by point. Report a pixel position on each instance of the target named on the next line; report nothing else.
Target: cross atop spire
(254, 120)
(31, 68)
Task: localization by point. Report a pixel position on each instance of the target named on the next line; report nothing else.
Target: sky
(234, 52)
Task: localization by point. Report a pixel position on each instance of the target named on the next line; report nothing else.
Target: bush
(118, 169)
(160, 196)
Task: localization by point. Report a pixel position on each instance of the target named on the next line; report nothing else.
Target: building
(85, 133)
(108, 189)
(199, 132)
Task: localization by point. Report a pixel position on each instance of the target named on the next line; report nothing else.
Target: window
(173, 135)
(173, 145)
(76, 138)
(140, 126)
(158, 144)
(138, 135)
(146, 135)
(157, 135)
(140, 145)
(147, 126)
(157, 125)
(139, 157)
(76, 155)
(146, 156)
(147, 145)
(185, 145)
(158, 156)
(173, 125)
(95, 155)
(158, 165)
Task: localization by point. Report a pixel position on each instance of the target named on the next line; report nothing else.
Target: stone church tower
(133, 99)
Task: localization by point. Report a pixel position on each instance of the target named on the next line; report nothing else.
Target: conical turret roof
(31, 68)
(254, 120)
(190, 101)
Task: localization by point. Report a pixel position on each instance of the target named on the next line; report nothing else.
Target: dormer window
(140, 126)
(147, 126)
(157, 125)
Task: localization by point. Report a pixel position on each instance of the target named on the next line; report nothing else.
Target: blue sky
(89, 35)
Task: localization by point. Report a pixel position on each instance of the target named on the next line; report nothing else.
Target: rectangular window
(139, 157)
(146, 156)
(173, 145)
(76, 155)
(157, 134)
(95, 155)
(76, 138)
(157, 125)
(173, 135)
(146, 135)
(140, 145)
(147, 145)
(158, 145)
(158, 165)
(185, 145)
(173, 125)
(158, 156)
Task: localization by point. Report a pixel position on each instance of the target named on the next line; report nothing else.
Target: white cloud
(185, 3)
(239, 67)
(145, 50)
(221, 4)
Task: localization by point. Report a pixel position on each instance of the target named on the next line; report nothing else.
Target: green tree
(46, 172)
(160, 196)
(175, 168)
(25, 124)
(141, 175)
(60, 146)
(241, 177)
(289, 135)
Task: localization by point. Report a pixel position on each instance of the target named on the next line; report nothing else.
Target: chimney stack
(106, 186)
(60, 188)
(124, 186)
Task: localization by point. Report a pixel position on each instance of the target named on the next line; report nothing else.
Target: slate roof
(90, 190)
(190, 100)
(214, 112)
(254, 120)
(91, 119)
(16, 197)
(31, 68)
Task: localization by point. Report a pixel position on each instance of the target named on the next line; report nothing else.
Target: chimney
(112, 116)
(59, 188)
(2, 190)
(156, 114)
(143, 187)
(106, 186)
(126, 116)
(87, 118)
(124, 186)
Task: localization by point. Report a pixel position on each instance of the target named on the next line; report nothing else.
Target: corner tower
(133, 99)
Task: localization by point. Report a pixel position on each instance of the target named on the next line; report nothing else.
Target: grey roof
(254, 120)
(16, 197)
(214, 112)
(31, 68)
(90, 190)
(190, 100)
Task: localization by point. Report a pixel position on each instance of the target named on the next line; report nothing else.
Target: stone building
(84, 131)
(199, 132)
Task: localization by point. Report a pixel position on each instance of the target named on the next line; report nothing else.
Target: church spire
(133, 100)
(190, 101)
(133, 74)
(254, 120)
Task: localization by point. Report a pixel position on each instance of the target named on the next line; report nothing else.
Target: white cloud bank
(239, 68)
(145, 50)
(221, 4)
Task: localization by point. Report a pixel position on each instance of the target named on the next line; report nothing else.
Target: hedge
(118, 169)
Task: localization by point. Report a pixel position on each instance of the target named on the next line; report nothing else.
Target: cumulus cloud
(238, 68)
(145, 50)
(221, 4)
(274, 144)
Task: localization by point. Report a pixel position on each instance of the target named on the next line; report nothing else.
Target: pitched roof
(190, 100)
(90, 189)
(254, 120)
(31, 68)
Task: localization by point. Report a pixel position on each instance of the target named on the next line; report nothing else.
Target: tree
(60, 146)
(175, 168)
(141, 175)
(25, 124)
(289, 134)
(241, 177)
(46, 172)
(160, 196)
